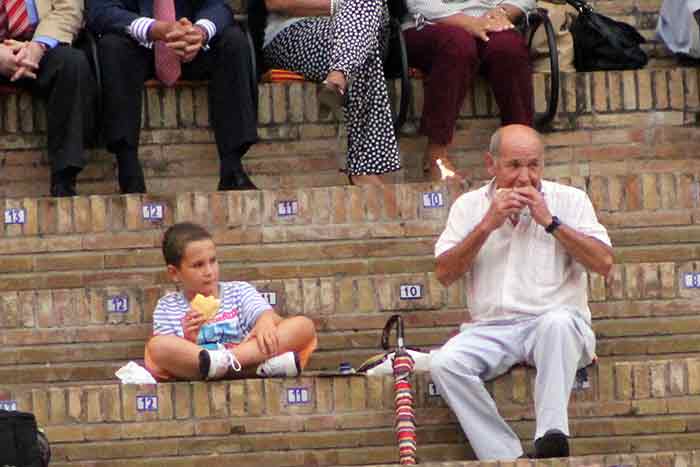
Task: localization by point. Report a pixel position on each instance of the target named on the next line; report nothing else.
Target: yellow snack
(207, 306)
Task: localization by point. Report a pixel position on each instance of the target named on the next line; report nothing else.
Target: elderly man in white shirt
(525, 245)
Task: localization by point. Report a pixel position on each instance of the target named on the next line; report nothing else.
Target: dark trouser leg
(232, 108)
(448, 55)
(506, 64)
(125, 67)
(66, 82)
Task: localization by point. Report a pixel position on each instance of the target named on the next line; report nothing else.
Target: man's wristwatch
(554, 225)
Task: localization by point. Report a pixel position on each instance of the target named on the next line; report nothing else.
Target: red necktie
(167, 61)
(14, 19)
(17, 18)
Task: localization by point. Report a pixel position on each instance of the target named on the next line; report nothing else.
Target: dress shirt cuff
(49, 42)
(208, 26)
(139, 29)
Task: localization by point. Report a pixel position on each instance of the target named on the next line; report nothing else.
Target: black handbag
(602, 43)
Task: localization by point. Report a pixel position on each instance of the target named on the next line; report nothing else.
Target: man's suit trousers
(66, 83)
(232, 108)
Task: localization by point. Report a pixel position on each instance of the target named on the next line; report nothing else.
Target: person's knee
(305, 326)
(441, 362)
(72, 61)
(113, 45)
(232, 41)
(508, 46)
(456, 45)
(557, 322)
(157, 346)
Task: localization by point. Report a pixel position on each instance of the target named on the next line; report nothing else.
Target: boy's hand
(265, 332)
(191, 324)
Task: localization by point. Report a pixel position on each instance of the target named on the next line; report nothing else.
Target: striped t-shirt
(241, 306)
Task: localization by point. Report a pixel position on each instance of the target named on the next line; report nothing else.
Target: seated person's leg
(125, 66)
(309, 47)
(172, 357)
(448, 55)
(66, 82)
(506, 64)
(574, 342)
(458, 370)
(232, 105)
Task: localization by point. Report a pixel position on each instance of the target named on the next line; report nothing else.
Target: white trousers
(557, 343)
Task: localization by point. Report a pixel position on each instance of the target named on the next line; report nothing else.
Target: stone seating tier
(341, 260)
(302, 144)
(641, 407)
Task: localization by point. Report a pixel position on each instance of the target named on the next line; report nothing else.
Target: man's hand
(481, 26)
(8, 61)
(186, 40)
(498, 20)
(161, 29)
(503, 205)
(29, 57)
(191, 324)
(265, 332)
(538, 206)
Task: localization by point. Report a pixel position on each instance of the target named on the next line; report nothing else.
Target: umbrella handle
(393, 319)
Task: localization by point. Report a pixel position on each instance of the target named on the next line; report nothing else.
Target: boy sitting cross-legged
(245, 337)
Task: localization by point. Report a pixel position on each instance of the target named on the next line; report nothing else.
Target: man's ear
(173, 273)
(490, 163)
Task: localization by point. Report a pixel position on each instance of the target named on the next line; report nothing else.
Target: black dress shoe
(554, 443)
(62, 189)
(237, 180)
(63, 182)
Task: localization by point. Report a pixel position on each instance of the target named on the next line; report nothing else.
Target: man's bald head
(516, 157)
(515, 136)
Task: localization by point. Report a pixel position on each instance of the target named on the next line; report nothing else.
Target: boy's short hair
(178, 236)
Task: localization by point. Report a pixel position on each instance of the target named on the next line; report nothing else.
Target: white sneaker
(214, 364)
(286, 364)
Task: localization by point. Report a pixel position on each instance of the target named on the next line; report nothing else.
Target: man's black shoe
(236, 180)
(63, 183)
(554, 443)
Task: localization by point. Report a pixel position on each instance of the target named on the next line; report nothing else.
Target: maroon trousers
(450, 57)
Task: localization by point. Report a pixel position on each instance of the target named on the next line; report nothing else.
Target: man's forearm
(455, 262)
(593, 254)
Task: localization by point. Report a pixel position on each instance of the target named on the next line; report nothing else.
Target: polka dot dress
(349, 42)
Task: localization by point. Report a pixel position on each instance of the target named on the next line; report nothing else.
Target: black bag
(21, 443)
(601, 43)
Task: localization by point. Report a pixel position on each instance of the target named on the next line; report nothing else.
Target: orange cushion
(280, 76)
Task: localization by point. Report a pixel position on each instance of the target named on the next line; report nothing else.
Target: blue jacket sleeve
(217, 12)
(115, 16)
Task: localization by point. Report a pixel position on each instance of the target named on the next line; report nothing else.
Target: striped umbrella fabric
(405, 416)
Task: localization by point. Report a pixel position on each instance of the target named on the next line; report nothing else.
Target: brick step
(300, 140)
(89, 223)
(96, 353)
(629, 407)
(661, 458)
(65, 276)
